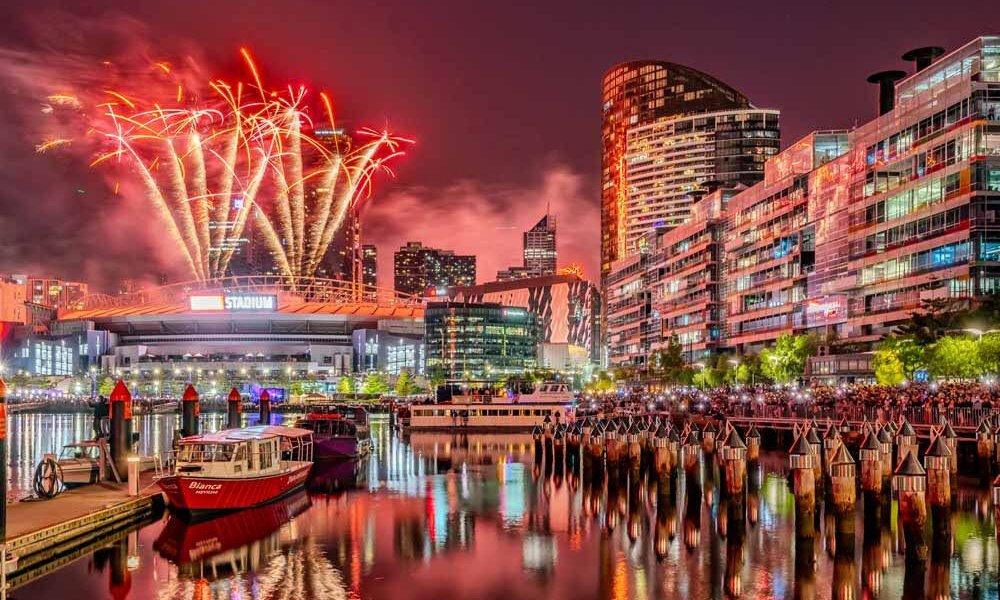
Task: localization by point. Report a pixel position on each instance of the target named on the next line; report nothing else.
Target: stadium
(251, 326)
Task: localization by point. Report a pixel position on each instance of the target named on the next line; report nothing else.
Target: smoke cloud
(473, 218)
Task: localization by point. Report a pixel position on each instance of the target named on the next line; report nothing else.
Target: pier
(44, 535)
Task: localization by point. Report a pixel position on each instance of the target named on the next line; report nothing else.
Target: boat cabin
(235, 453)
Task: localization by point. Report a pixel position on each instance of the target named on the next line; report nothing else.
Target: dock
(44, 535)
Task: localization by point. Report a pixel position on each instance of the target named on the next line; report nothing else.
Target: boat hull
(339, 447)
(208, 494)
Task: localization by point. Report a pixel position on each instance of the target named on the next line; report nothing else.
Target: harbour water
(476, 516)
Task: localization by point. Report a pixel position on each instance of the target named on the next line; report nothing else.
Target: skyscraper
(539, 251)
(667, 130)
(540, 246)
(369, 265)
(417, 268)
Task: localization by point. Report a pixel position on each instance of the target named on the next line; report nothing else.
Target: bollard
(264, 406)
(885, 446)
(611, 446)
(4, 467)
(936, 464)
(673, 450)
(951, 439)
(121, 428)
(843, 483)
(634, 447)
(708, 436)
(661, 456)
(984, 449)
(234, 405)
(133, 475)
(816, 447)
(189, 411)
(871, 477)
(906, 441)
(753, 444)
(831, 443)
(801, 461)
(910, 481)
(691, 457)
(734, 458)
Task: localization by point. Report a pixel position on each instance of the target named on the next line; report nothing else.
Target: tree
(954, 357)
(375, 384)
(436, 377)
(749, 370)
(989, 353)
(909, 351)
(106, 386)
(786, 361)
(404, 384)
(347, 385)
(888, 368)
(602, 383)
(668, 364)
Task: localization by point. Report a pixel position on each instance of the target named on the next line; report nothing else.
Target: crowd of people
(928, 402)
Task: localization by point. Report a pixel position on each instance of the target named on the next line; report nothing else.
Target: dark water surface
(437, 516)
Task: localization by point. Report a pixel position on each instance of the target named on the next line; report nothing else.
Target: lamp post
(735, 362)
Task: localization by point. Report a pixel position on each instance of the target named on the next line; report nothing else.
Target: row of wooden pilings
(822, 465)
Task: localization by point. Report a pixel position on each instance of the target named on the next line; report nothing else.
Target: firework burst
(212, 161)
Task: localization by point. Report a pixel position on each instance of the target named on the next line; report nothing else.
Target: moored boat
(489, 409)
(339, 431)
(237, 468)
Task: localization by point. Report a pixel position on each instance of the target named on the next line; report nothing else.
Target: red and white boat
(238, 468)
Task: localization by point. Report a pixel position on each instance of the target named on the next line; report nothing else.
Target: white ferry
(497, 409)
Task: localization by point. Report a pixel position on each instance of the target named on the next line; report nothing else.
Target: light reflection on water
(443, 516)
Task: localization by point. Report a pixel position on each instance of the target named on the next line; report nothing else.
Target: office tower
(538, 251)
(417, 269)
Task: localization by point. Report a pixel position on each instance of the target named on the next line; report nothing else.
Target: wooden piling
(801, 461)
(910, 482)
(936, 464)
(843, 480)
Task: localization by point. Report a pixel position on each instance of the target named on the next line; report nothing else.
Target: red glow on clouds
(472, 218)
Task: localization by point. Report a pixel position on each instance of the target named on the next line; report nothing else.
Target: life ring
(48, 479)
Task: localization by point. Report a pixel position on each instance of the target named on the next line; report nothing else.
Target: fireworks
(212, 161)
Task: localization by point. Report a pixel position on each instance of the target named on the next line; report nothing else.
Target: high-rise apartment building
(670, 158)
(637, 94)
(667, 130)
(539, 252)
(417, 269)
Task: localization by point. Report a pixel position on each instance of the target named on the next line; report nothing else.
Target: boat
(489, 408)
(339, 431)
(237, 468)
(79, 463)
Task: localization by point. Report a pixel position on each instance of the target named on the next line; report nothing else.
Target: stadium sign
(234, 303)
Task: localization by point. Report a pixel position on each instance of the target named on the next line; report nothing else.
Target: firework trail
(241, 153)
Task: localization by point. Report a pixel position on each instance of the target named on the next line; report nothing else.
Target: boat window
(241, 453)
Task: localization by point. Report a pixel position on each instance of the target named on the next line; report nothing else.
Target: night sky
(503, 98)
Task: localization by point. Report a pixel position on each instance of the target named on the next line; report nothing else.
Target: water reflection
(481, 516)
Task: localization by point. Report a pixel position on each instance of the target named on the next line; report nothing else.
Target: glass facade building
(467, 340)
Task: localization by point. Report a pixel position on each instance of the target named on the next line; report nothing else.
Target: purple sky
(503, 98)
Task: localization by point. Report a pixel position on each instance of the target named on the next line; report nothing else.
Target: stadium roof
(284, 308)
